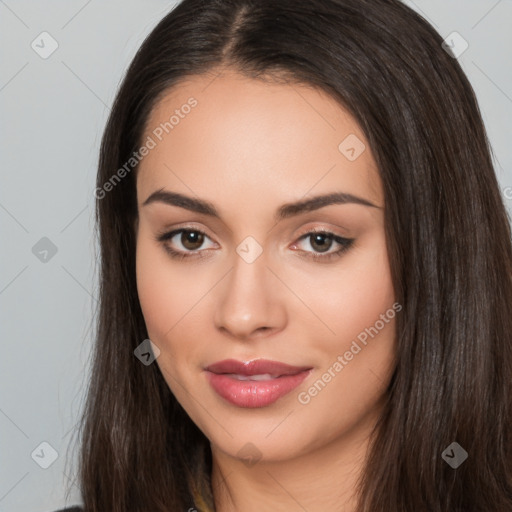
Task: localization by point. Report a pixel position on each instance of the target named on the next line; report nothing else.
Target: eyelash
(345, 244)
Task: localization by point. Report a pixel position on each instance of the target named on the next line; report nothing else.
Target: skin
(248, 147)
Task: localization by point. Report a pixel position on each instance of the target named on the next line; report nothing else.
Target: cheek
(357, 362)
(357, 356)
(155, 294)
(165, 292)
(351, 298)
(174, 302)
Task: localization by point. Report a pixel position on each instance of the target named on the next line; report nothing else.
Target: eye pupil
(189, 238)
(324, 241)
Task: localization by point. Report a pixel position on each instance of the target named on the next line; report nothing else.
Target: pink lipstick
(256, 383)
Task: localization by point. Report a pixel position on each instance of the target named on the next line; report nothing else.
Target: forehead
(214, 132)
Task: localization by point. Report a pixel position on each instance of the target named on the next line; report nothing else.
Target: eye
(321, 242)
(190, 240)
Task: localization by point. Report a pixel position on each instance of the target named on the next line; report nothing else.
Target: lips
(256, 383)
(256, 367)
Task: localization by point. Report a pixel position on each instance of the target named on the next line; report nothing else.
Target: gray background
(53, 113)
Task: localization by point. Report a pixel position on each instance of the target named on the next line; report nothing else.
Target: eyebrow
(285, 211)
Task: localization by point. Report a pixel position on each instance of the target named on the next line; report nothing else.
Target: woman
(306, 294)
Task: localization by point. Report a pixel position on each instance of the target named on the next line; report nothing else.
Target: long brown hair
(449, 244)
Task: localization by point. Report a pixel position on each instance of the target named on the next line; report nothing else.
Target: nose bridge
(248, 302)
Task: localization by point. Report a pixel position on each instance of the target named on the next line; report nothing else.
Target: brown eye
(321, 242)
(192, 240)
(185, 243)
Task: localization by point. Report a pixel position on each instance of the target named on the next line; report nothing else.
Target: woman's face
(249, 281)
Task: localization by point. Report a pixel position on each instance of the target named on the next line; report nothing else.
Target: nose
(250, 303)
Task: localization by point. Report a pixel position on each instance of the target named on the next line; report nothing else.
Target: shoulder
(75, 508)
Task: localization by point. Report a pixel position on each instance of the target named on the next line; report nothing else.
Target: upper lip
(255, 367)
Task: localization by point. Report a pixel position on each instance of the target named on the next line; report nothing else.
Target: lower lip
(252, 393)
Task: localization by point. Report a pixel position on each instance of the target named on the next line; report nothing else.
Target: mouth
(263, 376)
(256, 383)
